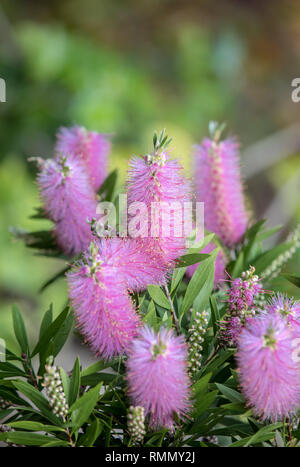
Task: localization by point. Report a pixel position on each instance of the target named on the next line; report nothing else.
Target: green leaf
(264, 260)
(292, 278)
(12, 369)
(203, 403)
(264, 434)
(63, 334)
(189, 259)
(202, 298)
(95, 367)
(50, 332)
(37, 398)
(218, 361)
(92, 433)
(55, 443)
(108, 187)
(177, 278)
(197, 282)
(20, 330)
(65, 382)
(34, 426)
(74, 382)
(201, 385)
(253, 231)
(268, 233)
(151, 318)
(26, 438)
(83, 407)
(231, 394)
(215, 315)
(238, 265)
(158, 296)
(46, 321)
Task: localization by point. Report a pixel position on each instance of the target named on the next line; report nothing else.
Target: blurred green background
(127, 67)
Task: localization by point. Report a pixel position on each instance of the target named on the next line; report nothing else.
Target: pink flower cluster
(157, 376)
(268, 367)
(89, 146)
(69, 201)
(218, 185)
(68, 185)
(157, 179)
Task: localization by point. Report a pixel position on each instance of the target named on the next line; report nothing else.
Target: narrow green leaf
(215, 315)
(37, 398)
(26, 438)
(95, 367)
(108, 187)
(34, 426)
(177, 278)
(74, 382)
(50, 332)
(158, 296)
(197, 281)
(83, 407)
(63, 334)
(92, 433)
(20, 330)
(189, 259)
(292, 278)
(46, 321)
(151, 318)
(231, 394)
(204, 402)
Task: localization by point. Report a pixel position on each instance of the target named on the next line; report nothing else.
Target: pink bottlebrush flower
(157, 376)
(90, 146)
(157, 179)
(69, 201)
(219, 265)
(288, 308)
(268, 369)
(131, 259)
(218, 185)
(103, 308)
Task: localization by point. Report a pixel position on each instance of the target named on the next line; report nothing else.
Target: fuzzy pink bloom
(103, 308)
(268, 369)
(69, 201)
(130, 259)
(288, 308)
(90, 146)
(218, 185)
(157, 376)
(157, 179)
(219, 265)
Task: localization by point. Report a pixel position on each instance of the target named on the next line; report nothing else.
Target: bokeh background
(127, 67)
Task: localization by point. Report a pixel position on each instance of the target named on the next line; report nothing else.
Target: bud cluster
(243, 296)
(242, 293)
(136, 424)
(196, 339)
(53, 384)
